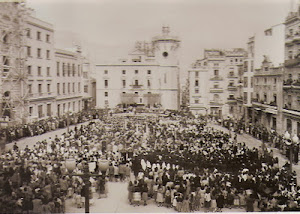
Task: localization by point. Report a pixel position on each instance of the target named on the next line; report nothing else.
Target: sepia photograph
(149, 106)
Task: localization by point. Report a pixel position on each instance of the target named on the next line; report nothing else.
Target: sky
(108, 29)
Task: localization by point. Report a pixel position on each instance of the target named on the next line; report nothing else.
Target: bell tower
(166, 48)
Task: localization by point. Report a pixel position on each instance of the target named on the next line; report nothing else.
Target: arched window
(216, 97)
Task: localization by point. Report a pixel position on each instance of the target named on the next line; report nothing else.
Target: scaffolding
(13, 85)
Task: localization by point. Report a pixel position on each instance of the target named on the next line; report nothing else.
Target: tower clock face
(165, 54)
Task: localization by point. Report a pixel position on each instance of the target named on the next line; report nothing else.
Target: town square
(149, 106)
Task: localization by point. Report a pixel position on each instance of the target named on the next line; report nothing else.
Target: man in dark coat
(220, 201)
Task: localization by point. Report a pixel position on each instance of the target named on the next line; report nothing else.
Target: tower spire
(165, 30)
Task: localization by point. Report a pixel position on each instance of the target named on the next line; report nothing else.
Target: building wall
(30, 86)
(88, 96)
(199, 93)
(114, 76)
(40, 68)
(151, 75)
(270, 43)
(291, 85)
(267, 101)
(247, 75)
(214, 83)
(69, 82)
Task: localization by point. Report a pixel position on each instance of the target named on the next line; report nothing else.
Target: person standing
(168, 197)
(145, 194)
(207, 198)
(111, 172)
(160, 196)
(250, 203)
(220, 201)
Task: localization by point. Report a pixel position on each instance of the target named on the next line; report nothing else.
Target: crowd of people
(270, 137)
(36, 179)
(204, 168)
(176, 162)
(19, 131)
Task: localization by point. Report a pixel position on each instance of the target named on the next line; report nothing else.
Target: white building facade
(149, 77)
(214, 83)
(40, 68)
(88, 85)
(38, 81)
(291, 84)
(267, 99)
(69, 82)
(267, 44)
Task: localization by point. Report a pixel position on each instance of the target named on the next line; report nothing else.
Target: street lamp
(68, 113)
(87, 169)
(295, 140)
(288, 142)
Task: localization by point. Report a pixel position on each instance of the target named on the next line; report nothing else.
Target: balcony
(291, 84)
(291, 17)
(290, 111)
(216, 78)
(215, 103)
(288, 40)
(136, 86)
(291, 62)
(264, 104)
(41, 96)
(230, 76)
(273, 103)
(296, 37)
(231, 88)
(231, 100)
(287, 82)
(240, 99)
(216, 90)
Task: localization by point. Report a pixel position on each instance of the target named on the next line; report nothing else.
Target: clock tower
(166, 56)
(166, 48)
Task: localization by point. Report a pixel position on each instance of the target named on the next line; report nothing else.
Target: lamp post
(88, 167)
(295, 140)
(288, 142)
(68, 113)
